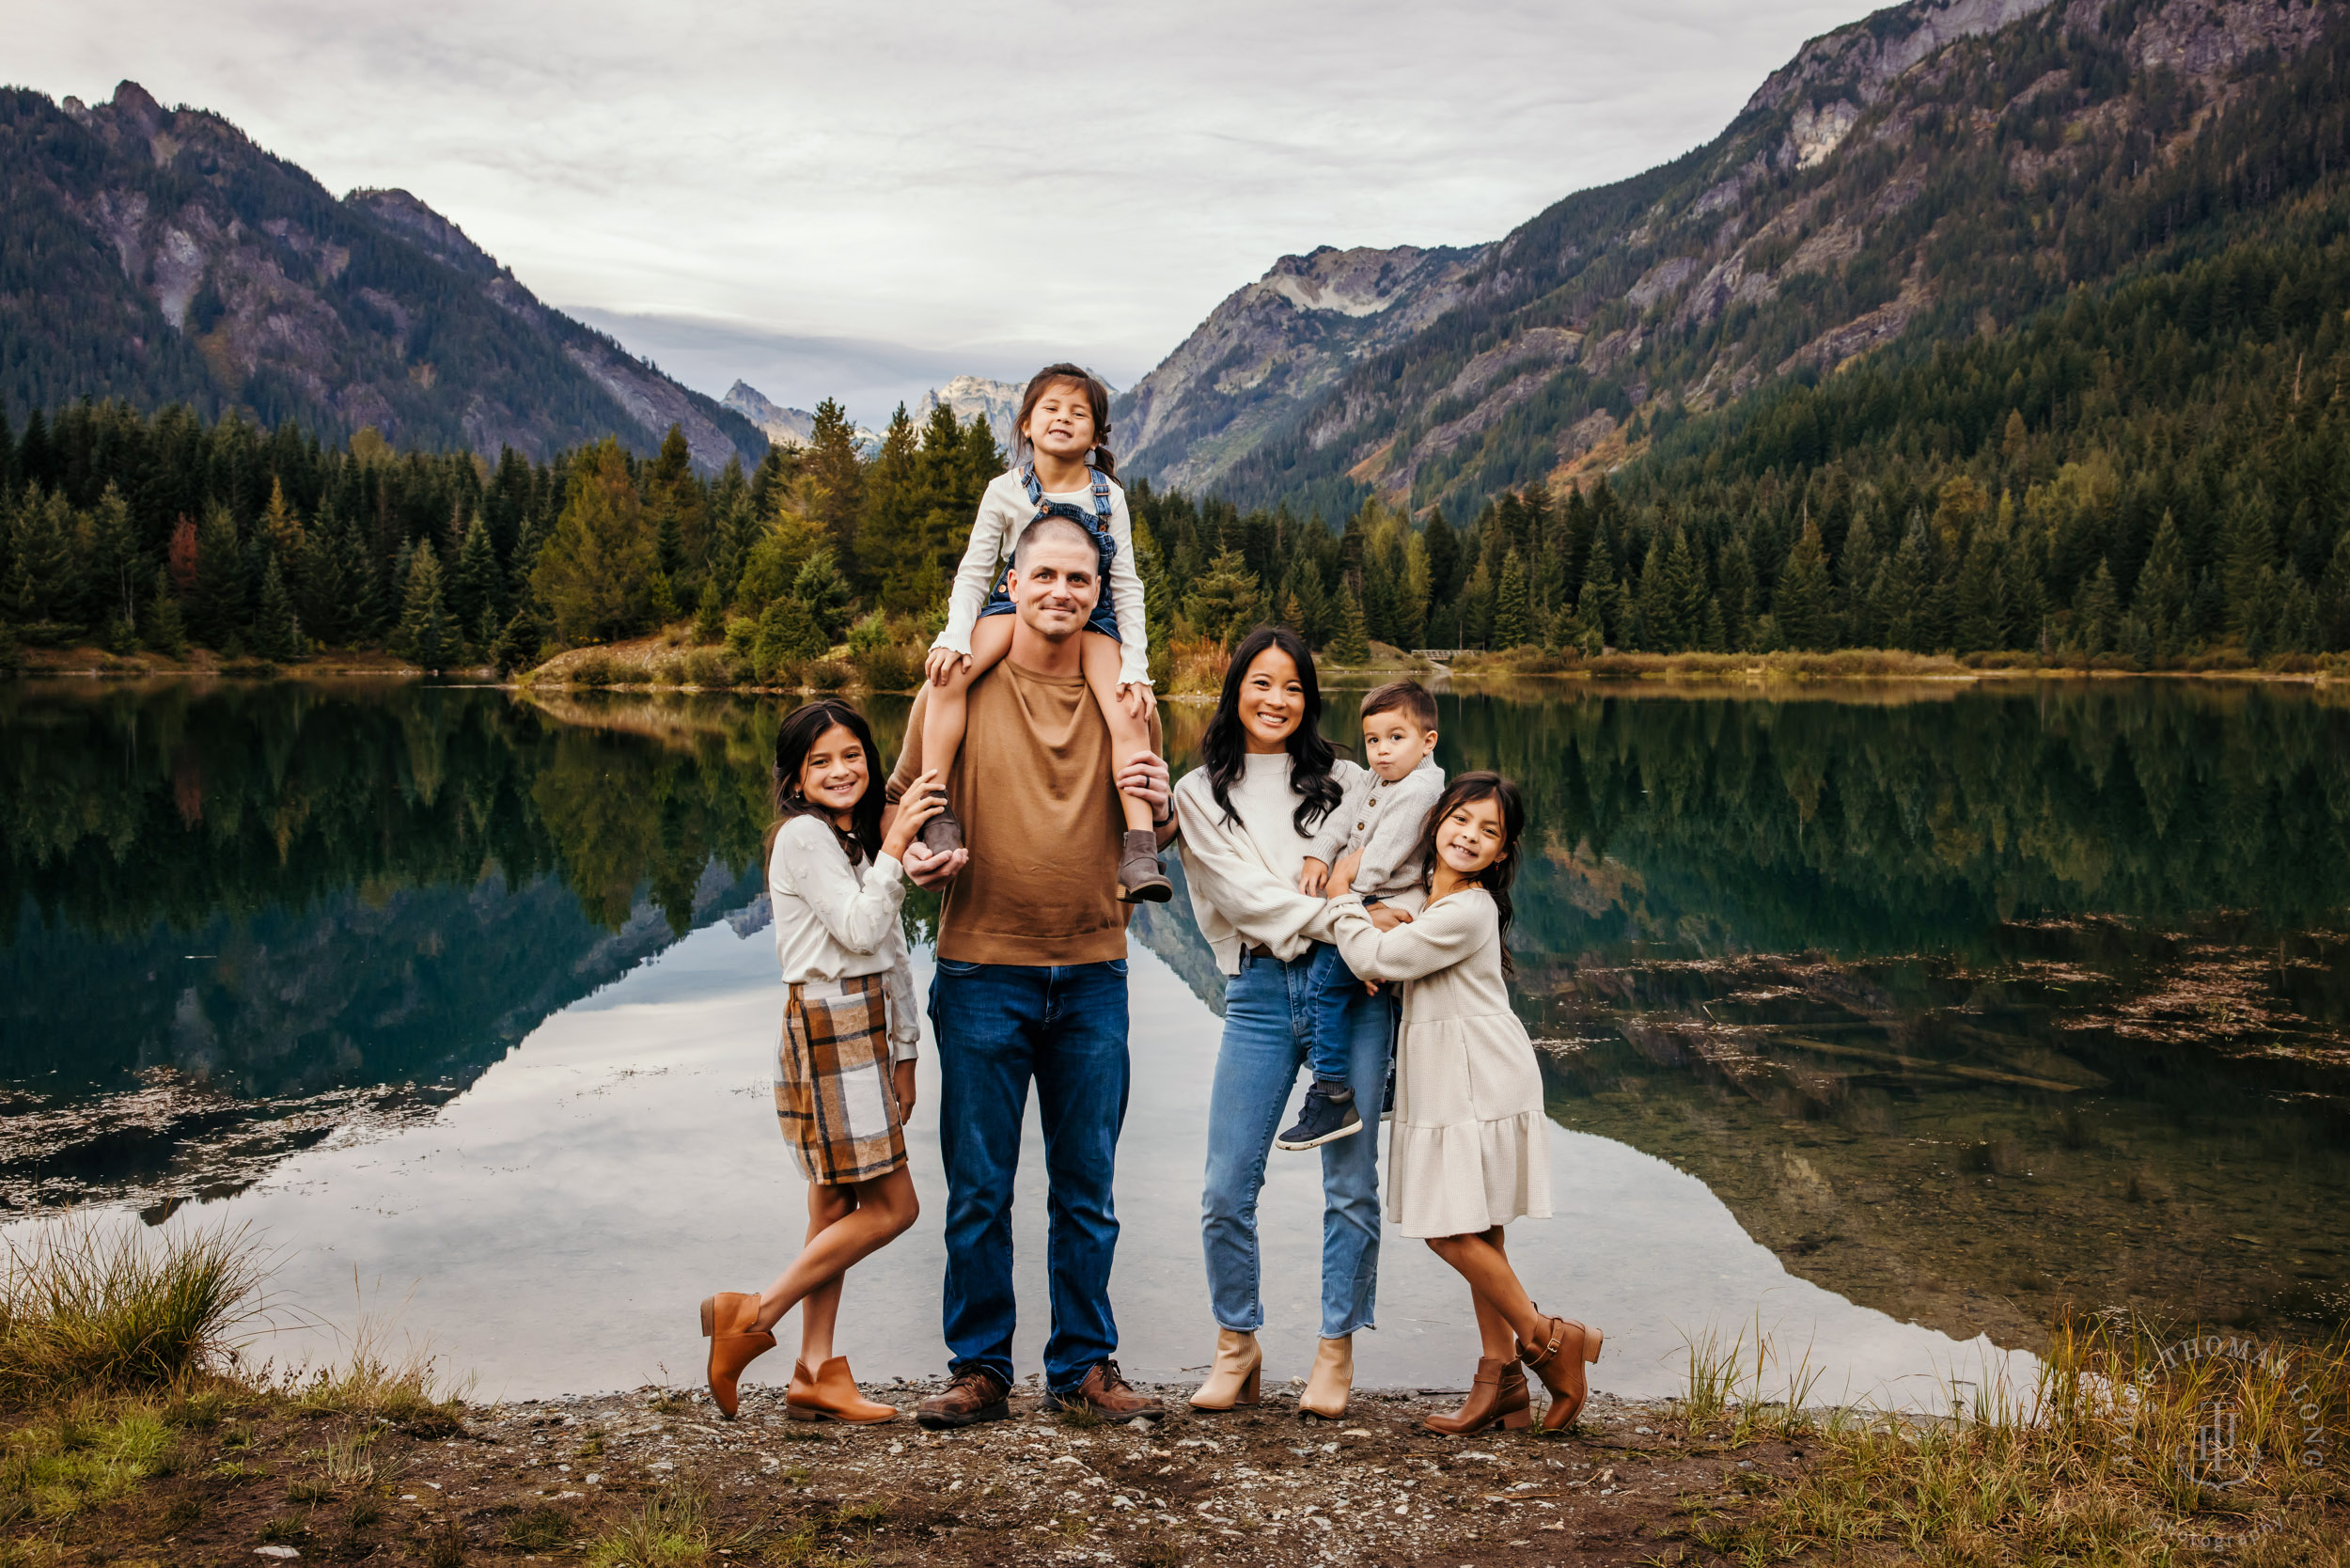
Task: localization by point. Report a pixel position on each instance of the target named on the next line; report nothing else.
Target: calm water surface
(1899, 1023)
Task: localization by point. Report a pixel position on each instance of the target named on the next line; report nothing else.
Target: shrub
(706, 666)
(827, 675)
(887, 666)
(591, 669)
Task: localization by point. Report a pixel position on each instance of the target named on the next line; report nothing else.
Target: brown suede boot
(1140, 880)
(734, 1344)
(1558, 1361)
(1106, 1390)
(830, 1394)
(973, 1396)
(1498, 1395)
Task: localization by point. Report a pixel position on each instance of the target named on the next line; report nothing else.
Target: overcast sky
(866, 198)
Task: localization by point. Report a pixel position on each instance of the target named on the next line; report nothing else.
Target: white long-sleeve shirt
(834, 919)
(1243, 873)
(1004, 511)
(1384, 820)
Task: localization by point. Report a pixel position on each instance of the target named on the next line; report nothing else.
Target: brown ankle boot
(1139, 878)
(1498, 1395)
(734, 1344)
(831, 1395)
(1558, 1361)
(942, 834)
(1107, 1391)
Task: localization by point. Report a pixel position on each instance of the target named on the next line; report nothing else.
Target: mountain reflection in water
(1972, 1006)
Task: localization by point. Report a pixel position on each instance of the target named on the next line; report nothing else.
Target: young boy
(1369, 843)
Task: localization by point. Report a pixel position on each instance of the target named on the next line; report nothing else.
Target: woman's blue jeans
(1268, 1023)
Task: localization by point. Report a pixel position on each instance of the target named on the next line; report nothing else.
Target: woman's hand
(925, 798)
(1387, 916)
(1310, 877)
(944, 664)
(902, 1073)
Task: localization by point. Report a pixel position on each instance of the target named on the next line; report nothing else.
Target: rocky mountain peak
(443, 239)
(970, 398)
(785, 427)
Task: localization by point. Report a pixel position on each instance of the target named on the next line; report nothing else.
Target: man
(1031, 984)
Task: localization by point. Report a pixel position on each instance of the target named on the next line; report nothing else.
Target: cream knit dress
(1470, 1147)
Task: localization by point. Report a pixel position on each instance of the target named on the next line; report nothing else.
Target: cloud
(1033, 173)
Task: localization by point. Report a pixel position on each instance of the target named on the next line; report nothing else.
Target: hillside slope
(1936, 173)
(158, 255)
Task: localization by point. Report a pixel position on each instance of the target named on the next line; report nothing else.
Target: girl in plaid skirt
(844, 1066)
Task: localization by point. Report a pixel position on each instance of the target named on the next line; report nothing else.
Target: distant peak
(135, 104)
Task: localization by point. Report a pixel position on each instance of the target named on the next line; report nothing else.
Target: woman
(1265, 782)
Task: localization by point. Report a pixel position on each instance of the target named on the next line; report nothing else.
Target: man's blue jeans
(998, 1026)
(1268, 1023)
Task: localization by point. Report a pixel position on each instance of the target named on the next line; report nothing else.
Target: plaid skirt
(836, 1095)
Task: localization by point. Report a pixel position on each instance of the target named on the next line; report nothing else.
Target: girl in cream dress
(1468, 1152)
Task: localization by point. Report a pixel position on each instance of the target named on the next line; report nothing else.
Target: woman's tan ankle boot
(1565, 1348)
(1497, 1397)
(1330, 1382)
(831, 1395)
(1234, 1379)
(731, 1319)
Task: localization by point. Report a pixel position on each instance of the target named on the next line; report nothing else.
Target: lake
(1894, 1023)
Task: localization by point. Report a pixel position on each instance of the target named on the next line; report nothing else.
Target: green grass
(86, 1305)
(79, 1457)
(670, 1531)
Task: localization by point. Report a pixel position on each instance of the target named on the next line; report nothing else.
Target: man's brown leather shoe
(973, 1396)
(1106, 1392)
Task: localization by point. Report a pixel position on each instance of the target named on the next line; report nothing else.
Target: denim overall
(1105, 616)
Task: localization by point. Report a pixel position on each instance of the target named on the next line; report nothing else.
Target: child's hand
(1342, 874)
(1371, 988)
(1134, 696)
(904, 1072)
(1387, 916)
(925, 798)
(944, 664)
(1311, 876)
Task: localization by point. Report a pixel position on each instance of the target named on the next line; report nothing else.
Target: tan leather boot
(1331, 1381)
(831, 1395)
(734, 1344)
(1496, 1398)
(1239, 1367)
(1559, 1360)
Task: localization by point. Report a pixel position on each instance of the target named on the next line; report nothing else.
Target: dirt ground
(547, 1480)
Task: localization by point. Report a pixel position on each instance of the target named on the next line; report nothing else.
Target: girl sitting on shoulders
(1469, 1151)
(1061, 466)
(844, 1070)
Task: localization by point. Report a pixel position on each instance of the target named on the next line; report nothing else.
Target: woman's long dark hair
(794, 741)
(1224, 750)
(1496, 879)
(1097, 394)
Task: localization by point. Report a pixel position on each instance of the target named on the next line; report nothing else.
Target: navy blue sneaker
(1328, 1116)
(1386, 1100)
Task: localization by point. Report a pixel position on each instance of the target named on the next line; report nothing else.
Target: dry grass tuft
(86, 1305)
(2129, 1450)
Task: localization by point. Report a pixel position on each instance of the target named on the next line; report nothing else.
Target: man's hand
(1137, 697)
(1387, 916)
(904, 1072)
(1310, 877)
(942, 665)
(1146, 778)
(926, 869)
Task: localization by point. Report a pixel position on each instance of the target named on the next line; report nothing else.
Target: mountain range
(1936, 173)
(158, 255)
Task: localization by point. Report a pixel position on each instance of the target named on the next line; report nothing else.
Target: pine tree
(1981, 620)
(595, 575)
(710, 614)
(1444, 560)
(1905, 601)
(892, 555)
(2160, 600)
(1513, 626)
(2248, 578)
(1656, 628)
(821, 588)
(425, 635)
(788, 638)
(1692, 599)
(216, 608)
(2096, 612)
(1594, 602)
(521, 642)
(476, 586)
(1800, 613)
(1226, 601)
(1858, 571)
(1737, 595)
(835, 475)
(733, 521)
(277, 632)
(112, 561)
(1352, 646)
(165, 631)
(2333, 599)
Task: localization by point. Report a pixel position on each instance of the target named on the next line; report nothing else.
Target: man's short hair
(1408, 697)
(1045, 528)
